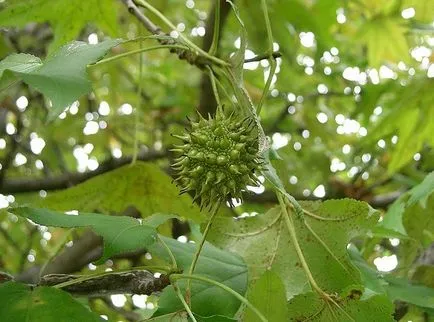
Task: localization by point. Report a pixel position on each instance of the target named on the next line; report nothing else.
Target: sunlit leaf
(66, 17)
(412, 119)
(142, 185)
(62, 77)
(264, 243)
(424, 10)
(385, 40)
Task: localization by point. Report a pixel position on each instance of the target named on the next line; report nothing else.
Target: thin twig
(147, 23)
(184, 303)
(214, 212)
(276, 54)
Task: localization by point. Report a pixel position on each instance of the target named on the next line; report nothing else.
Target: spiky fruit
(218, 158)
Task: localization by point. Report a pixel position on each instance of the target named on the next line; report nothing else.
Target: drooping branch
(132, 282)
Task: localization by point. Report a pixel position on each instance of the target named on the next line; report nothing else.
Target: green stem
(273, 66)
(213, 85)
(223, 89)
(175, 277)
(181, 298)
(200, 247)
(293, 236)
(205, 233)
(267, 26)
(215, 37)
(270, 53)
(139, 101)
(188, 42)
(133, 52)
(169, 251)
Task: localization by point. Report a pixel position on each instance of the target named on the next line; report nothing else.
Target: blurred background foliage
(350, 112)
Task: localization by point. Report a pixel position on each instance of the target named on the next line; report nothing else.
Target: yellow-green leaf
(142, 185)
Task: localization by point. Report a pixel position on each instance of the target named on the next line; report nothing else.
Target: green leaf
(238, 58)
(264, 243)
(424, 9)
(385, 39)
(25, 303)
(180, 316)
(142, 185)
(422, 191)
(310, 307)
(396, 288)
(67, 17)
(214, 263)
(268, 296)
(62, 77)
(121, 234)
(214, 318)
(157, 220)
(401, 289)
(424, 274)
(393, 219)
(317, 18)
(419, 225)
(412, 117)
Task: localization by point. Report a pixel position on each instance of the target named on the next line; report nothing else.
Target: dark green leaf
(214, 263)
(24, 303)
(120, 233)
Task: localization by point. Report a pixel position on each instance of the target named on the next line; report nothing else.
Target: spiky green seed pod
(218, 158)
